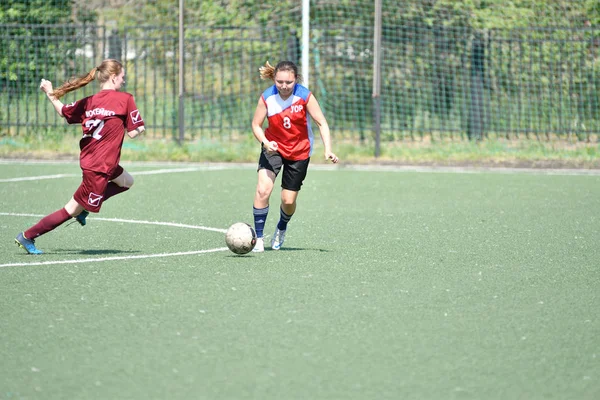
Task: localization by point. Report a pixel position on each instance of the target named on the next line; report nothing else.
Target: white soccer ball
(240, 238)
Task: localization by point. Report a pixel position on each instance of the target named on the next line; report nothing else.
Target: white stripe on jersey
(275, 104)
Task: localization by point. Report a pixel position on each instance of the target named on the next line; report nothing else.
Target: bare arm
(314, 109)
(259, 117)
(136, 131)
(46, 86)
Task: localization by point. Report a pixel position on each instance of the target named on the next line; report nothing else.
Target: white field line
(39, 177)
(89, 260)
(373, 167)
(152, 172)
(158, 164)
(166, 171)
(130, 221)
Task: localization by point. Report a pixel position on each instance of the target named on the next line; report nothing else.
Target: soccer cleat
(278, 238)
(259, 247)
(81, 217)
(27, 244)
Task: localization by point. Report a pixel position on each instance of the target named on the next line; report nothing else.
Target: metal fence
(539, 83)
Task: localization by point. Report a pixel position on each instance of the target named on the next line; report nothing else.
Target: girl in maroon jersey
(287, 144)
(104, 117)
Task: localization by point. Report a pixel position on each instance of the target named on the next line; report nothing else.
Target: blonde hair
(103, 72)
(268, 72)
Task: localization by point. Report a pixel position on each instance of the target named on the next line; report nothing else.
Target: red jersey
(289, 123)
(104, 117)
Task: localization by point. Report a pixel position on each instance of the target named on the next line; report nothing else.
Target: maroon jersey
(104, 117)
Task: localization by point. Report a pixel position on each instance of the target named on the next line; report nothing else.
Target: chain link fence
(438, 81)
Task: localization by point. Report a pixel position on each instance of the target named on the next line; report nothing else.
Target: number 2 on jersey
(96, 126)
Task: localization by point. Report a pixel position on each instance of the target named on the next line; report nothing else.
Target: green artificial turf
(390, 285)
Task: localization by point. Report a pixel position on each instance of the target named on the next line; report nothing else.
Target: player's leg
(294, 173)
(27, 238)
(288, 206)
(122, 181)
(260, 207)
(287, 209)
(119, 182)
(78, 211)
(50, 222)
(87, 198)
(269, 166)
(74, 208)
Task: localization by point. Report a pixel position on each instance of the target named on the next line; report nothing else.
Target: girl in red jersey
(104, 117)
(286, 143)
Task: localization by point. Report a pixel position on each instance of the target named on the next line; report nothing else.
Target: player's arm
(257, 121)
(136, 131)
(46, 87)
(134, 124)
(314, 109)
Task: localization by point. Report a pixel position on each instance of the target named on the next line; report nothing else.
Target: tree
(27, 26)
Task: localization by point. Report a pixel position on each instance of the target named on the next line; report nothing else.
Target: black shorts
(294, 172)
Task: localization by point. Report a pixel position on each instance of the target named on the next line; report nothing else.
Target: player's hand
(329, 156)
(46, 86)
(271, 147)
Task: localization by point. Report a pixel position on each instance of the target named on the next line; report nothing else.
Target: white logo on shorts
(94, 199)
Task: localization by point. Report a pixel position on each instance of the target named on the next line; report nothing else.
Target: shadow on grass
(97, 252)
(301, 249)
(283, 249)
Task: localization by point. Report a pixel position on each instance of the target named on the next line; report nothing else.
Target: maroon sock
(113, 189)
(47, 223)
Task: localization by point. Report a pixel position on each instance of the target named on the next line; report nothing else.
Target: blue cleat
(27, 244)
(81, 217)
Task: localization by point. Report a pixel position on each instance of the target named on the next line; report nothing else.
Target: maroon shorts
(90, 194)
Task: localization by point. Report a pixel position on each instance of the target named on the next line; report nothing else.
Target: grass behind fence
(242, 147)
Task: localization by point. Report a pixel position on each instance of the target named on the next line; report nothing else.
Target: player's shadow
(90, 252)
(302, 249)
(285, 249)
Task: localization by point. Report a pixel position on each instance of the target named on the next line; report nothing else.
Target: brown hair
(268, 72)
(102, 72)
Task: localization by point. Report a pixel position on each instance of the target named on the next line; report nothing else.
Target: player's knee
(288, 197)
(288, 201)
(129, 181)
(263, 192)
(124, 180)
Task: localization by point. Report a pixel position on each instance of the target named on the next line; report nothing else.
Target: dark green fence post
(476, 128)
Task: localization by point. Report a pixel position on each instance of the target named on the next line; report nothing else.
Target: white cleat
(259, 247)
(278, 238)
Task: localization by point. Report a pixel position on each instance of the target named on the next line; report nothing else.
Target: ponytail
(268, 72)
(75, 83)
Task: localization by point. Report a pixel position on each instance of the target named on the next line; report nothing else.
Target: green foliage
(434, 53)
(24, 47)
(34, 11)
(246, 13)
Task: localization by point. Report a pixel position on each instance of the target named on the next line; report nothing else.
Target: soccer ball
(240, 238)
